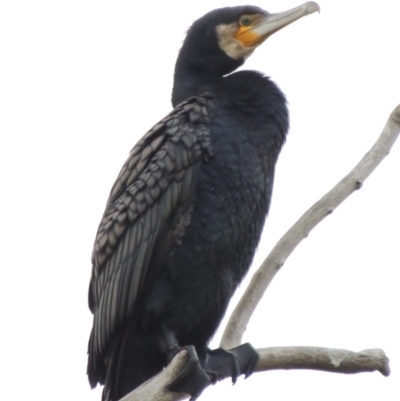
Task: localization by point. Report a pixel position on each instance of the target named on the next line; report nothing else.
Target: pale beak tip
(312, 7)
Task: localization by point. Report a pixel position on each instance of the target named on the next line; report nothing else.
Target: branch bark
(325, 359)
(154, 388)
(261, 279)
(315, 358)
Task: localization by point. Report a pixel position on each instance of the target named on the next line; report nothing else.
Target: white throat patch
(227, 42)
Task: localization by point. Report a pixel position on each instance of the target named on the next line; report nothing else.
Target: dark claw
(212, 375)
(193, 379)
(247, 358)
(232, 363)
(223, 363)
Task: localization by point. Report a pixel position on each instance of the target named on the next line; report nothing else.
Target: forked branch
(261, 279)
(316, 358)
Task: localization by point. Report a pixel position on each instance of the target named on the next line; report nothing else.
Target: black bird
(186, 212)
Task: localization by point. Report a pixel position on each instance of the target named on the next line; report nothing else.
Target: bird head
(222, 39)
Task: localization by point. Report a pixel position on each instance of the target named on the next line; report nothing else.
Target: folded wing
(144, 218)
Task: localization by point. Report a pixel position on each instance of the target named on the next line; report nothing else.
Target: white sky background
(82, 81)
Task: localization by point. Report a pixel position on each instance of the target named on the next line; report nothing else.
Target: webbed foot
(247, 358)
(193, 379)
(232, 363)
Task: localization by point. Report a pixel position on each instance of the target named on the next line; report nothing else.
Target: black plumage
(187, 210)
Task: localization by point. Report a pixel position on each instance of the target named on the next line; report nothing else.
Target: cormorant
(186, 212)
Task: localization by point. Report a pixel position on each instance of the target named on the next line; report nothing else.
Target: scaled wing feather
(152, 192)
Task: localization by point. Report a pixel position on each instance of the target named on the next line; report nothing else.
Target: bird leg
(232, 363)
(168, 343)
(217, 364)
(192, 379)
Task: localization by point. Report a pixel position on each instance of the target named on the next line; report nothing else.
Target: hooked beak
(263, 28)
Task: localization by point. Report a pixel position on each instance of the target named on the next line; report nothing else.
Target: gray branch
(326, 205)
(314, 358)
(325, 359)
(154, 389)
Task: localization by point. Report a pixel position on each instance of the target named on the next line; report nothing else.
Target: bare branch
(315, 358)
(154, 389)
(326, 205)
(326, 359)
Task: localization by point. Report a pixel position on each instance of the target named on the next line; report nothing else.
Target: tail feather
(135, 358)
(96, 368)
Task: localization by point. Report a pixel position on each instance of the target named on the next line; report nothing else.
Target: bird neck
(190, 80)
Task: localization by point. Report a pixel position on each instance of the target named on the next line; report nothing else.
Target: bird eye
(245, 21)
